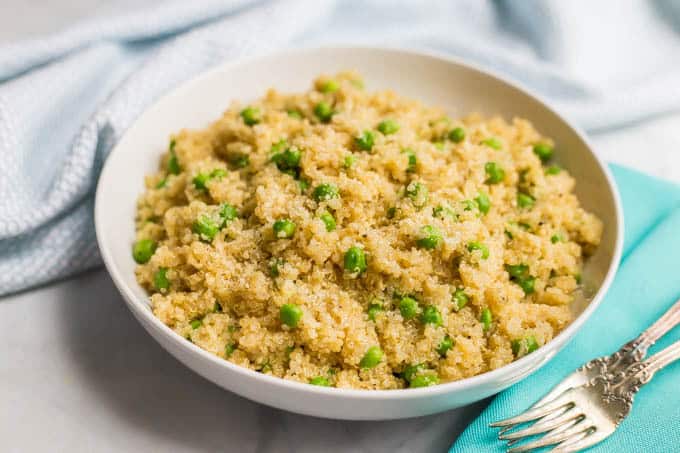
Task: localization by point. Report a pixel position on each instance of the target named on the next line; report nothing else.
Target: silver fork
(631, 352)
(585, 415)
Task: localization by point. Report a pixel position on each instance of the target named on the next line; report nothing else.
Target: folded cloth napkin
(67, 98)
(647, 284)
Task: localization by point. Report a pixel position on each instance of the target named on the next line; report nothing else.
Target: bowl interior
(457, 87)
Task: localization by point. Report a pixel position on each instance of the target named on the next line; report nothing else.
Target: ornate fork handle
(635, 350)
(622, 386)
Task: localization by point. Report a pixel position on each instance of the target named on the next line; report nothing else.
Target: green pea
(388, 127)
(229, 349)
(553, 170)
(472, 246)
(543, 151)
(412, 160)
(201, 180)
(517, 270)
(330, 86)
(525, 200)
(320, 381)
(408, 307)
(143, 250)
(443, 211)
(430, 237)
(445, 345)
(411, 371)
(274, 265)
(459, 299)
(325, 191)
(355, 260)
(555, 238)
(206, 227)
(160, 279)
(288, 159)
(527, 284)
(196, 323)
(493, 142)
(279, 146)
(328, 220)
(323, 111)
(294, 114)
(290, 314)
(483, 203)
(519, 273)
(431, 315)
(494, 173)
(469, 205)
(227, 213)
(173, 162)
(486, 319)
(372, 357)
(524, 346)
(418, 194)
(240, 161)
(457, 135)
(284, 228)
(424, 380)
(251, 115)
(374, 310)
(349, 161)
(365, 141)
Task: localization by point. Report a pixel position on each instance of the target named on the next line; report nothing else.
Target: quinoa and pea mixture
(353, 239)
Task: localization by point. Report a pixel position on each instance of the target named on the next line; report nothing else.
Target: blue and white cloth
(66, 99)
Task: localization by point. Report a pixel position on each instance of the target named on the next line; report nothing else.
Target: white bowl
(459, 87)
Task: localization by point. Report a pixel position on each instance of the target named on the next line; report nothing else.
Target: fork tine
(543, 425)
(547, 440)
(505, 429)
(533, 414)
(592, 437)
(578, 425)
(573, 380)
(554, 432)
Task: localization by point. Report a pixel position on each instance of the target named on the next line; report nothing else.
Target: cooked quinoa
(362, 240)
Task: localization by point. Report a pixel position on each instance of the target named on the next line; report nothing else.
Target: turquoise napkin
(647, 284)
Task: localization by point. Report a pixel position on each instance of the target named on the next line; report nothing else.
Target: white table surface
(78, 374)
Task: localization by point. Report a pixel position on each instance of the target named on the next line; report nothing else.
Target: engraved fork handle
(657, 330)
(624, 385)
(663, 358)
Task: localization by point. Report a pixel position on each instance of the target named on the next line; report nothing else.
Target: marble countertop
(78, 373)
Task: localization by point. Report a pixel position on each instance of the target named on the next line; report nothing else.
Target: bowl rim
(140, 309)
